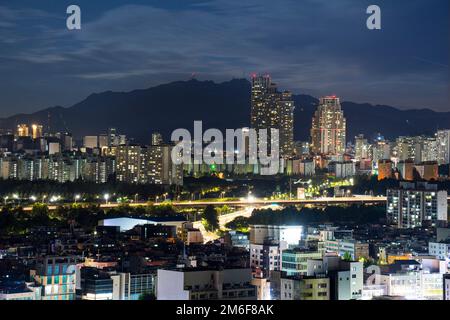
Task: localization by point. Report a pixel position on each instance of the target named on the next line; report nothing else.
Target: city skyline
(306, 54)
(235, 194)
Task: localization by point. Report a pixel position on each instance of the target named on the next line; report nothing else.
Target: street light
(77, 197)
(16, 196)
(106, 197)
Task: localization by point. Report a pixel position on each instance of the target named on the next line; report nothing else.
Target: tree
(40, 215)
(347, 256)
(211, 220)
(239, 224)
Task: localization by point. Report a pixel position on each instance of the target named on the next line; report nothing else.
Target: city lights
(221, 154)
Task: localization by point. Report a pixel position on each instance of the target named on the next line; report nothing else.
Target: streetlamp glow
(106, 197)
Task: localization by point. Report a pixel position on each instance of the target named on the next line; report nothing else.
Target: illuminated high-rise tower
(260, 109)
(328, 127)
(36, 131)
(23, 130)
(285, 108)
(273, 109)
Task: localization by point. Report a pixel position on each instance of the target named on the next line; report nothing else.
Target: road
(246, 202)
(223, 220)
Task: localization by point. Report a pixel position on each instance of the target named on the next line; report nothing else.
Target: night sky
(315, 47)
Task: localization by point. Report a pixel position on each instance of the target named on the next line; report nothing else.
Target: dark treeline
(355, 214)
(68, 189)
(365, 184)
(17, 221)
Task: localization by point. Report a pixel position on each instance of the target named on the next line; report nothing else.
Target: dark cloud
(309, 46)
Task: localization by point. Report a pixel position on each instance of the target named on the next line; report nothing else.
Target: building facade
(328, 130)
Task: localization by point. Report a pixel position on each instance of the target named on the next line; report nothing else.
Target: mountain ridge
(173, 105)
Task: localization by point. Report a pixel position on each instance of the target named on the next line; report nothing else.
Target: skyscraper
(273, 109)
(36, 131)
(286, 123)
(328, 127)
(23, 130)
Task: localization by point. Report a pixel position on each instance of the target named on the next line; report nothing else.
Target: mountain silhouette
(166, 107)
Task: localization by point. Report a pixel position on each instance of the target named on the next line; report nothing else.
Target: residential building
(412, 204)
(294, 262)
(205, 284)
(305, 288)
(328, 127)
